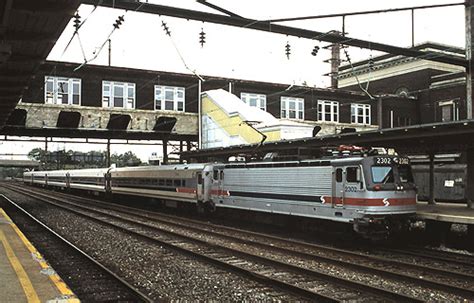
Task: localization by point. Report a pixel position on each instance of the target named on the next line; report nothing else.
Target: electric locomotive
(373, 193)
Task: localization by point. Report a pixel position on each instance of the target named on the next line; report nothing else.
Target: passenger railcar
(375, 194)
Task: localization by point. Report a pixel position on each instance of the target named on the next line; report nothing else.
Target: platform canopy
(434, 138)
(28, 32)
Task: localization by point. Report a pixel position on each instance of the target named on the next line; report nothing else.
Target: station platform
(446, 212)
(24, 275)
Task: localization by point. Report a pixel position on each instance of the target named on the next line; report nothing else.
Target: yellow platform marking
(25, 282)
(57, 281)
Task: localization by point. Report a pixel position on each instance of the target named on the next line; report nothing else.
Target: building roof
(388, 60)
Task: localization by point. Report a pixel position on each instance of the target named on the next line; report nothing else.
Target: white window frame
(357, 118)
(454, 109)
(333, 111)
(128, 94)
(179, 96)
(56, 93)
(260, 100)
(285, 107)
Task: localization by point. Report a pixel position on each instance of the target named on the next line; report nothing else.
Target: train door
(338, 192)
(218, 182)
(199, 187)
(108, 181)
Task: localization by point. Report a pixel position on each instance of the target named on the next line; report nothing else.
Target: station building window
(58, 90)
(118, 94)
(169, 98)
(292, 108)
(360, 113)
(328, 111)
(449, 110)
(255, 100)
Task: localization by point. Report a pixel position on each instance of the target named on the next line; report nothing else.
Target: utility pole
(110, 52)
(469, 56)
(469, 91)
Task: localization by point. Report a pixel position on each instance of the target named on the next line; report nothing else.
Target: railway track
(101, 284)
(435, 255)
(419, 274)
(464, 261)
(308, 283)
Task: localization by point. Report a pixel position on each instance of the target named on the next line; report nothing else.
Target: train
(375, 193)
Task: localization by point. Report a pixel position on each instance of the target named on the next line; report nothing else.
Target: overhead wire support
(116, 26)
(166, 28)
(390, 10)
(168, 33)
(218, 8)
(277, 28)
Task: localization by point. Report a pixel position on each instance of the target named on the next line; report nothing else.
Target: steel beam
(469, 21)
(378, 11)
(470, 178)
(274, 28)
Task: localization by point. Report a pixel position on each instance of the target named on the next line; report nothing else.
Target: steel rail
(172, 220)
(426, 255)
(247, 273)
(448, 254)
(328, 258)
(138, 294)
(426, 282)
(329, 249)
(355, 286)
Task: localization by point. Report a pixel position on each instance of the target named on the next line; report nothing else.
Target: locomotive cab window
(199, 179)
(404, 171)
(215, 175)
(353, 174)
(339, 175)
(382, 174)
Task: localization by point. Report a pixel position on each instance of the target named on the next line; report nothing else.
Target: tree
(126, 159)
(37, 154)
(74, 159)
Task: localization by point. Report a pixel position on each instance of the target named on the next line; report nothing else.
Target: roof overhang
(28, 32)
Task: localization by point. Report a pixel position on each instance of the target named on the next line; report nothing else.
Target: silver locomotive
(374, 193)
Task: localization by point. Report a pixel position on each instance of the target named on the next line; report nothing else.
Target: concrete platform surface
(24, 275)
(446, 212)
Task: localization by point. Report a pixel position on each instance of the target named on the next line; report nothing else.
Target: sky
(232, 52)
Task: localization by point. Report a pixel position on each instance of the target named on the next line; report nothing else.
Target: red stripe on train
(372, 202)
(186, 190)
(193, 191)
(220, 192)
